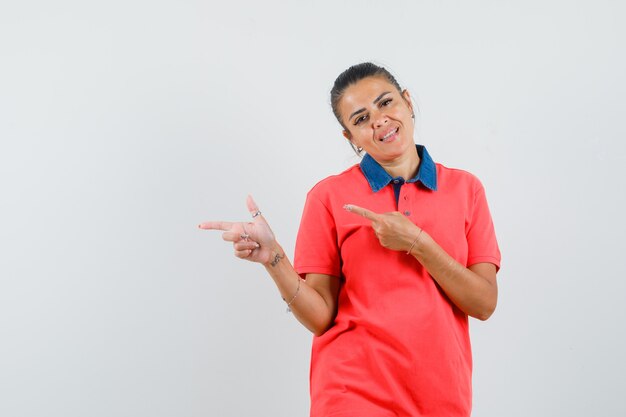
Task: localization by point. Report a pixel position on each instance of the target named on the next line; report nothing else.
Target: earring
(412, 115)
(359, 149)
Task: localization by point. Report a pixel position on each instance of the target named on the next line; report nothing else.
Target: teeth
(393, 132)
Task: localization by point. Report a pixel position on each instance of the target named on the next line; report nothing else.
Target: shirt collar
(378, 178)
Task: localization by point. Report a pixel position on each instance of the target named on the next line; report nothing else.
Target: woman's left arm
(473, 289)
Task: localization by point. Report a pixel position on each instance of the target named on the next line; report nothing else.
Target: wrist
(420, 248)
(276, 254)
(416, 244)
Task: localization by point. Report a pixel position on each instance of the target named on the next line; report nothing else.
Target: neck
(404, 166)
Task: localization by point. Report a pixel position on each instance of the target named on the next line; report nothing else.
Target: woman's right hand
(253, 241)
(316, 303)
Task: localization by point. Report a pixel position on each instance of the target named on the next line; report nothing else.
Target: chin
(393, 151)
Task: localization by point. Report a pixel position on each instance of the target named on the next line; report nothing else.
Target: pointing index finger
(216, 225)
(368, 214)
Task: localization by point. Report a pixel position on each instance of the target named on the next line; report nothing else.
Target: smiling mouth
(389, 135)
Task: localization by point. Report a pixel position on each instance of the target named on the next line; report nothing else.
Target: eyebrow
(375, 101)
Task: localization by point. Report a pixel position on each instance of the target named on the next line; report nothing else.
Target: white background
(123, 124)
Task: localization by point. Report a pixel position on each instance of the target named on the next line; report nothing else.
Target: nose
(379, 119)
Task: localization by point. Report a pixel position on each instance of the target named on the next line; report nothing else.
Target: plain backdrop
(123, 124)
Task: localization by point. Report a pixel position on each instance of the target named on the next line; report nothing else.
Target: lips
(389, 135)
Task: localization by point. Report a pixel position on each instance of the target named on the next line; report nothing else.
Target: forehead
(363, 93)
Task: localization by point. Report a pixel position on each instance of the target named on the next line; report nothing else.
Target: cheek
(359, 132)
(366, 135)
(402, 112)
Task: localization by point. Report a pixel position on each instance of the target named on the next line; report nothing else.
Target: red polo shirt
(398, 346)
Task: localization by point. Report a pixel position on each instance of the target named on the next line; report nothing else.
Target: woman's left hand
(393, 230)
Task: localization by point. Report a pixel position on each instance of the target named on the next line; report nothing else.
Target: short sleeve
(481, 237)
(317, 250)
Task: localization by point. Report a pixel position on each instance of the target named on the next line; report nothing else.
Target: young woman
(392, 256)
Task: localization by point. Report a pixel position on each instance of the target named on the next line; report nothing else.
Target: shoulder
(334, 184)
(455, 178)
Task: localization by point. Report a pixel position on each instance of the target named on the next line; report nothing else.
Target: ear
(348, 137)
(407, 97)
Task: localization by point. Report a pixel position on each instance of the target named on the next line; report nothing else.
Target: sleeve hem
(303, 270)
(490, 259)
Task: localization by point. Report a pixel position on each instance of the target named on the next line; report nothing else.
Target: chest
(443, 215)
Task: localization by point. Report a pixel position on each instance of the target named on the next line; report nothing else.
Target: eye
(386, 102)
(360, 119)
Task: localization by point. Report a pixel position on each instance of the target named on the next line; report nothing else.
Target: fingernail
(258, 246)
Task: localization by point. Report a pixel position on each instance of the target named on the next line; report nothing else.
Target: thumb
(253, 208)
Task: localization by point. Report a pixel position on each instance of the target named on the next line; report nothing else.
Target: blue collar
(378, 178)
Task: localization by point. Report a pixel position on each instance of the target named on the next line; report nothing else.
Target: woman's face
(378, 118)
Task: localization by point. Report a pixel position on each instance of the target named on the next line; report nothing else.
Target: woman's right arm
(313, 301)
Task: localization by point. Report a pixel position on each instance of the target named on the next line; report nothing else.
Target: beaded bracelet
(294, 296)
